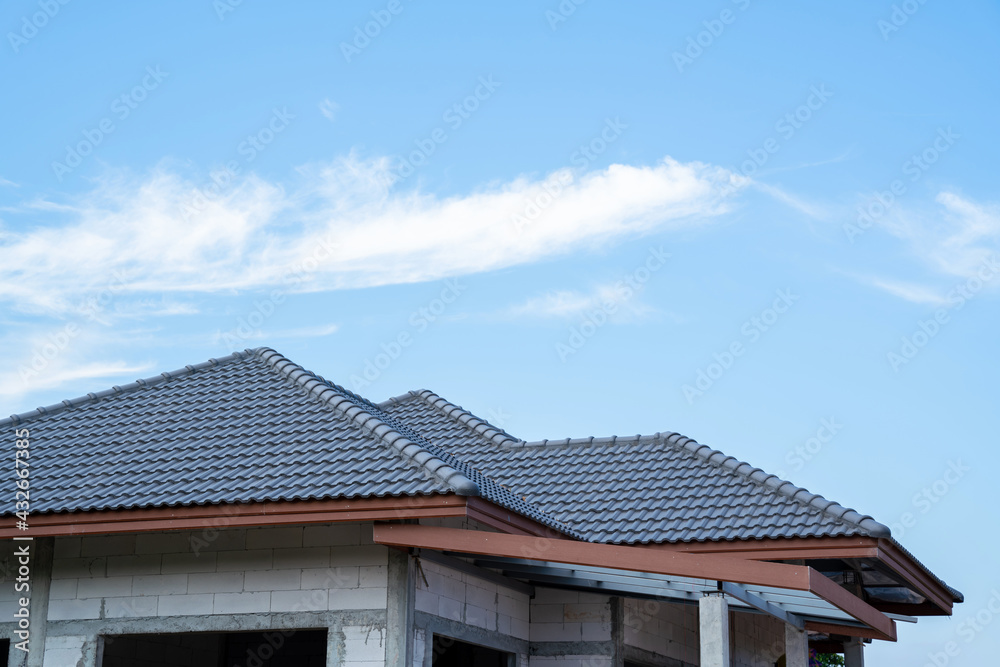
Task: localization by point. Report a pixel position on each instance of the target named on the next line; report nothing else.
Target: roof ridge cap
(330, 395)
(783, 487)
(460, 414)
(591, 440)
(141, 383)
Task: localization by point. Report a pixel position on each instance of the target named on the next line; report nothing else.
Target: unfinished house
(246, 512)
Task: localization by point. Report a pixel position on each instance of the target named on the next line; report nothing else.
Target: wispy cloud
(329, 109)
(8, 184)
(572, 304)
(337, 226)
(318, 331)
(955, 239)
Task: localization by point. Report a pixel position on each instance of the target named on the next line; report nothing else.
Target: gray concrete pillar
(796, 647)
(399, 612)
(854, 653)
(713, 627)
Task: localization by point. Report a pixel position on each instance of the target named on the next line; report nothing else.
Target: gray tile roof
(252, 426)
(639, 489)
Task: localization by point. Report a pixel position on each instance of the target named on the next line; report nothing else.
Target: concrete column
(399, 611)
(713, 626)
(854, 653)
(796, 647)
(41, 579)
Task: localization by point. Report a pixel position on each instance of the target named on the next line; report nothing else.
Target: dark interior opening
(272, 648)
(448, 652)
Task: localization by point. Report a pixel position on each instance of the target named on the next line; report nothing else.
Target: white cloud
(338, 226)
(8, 184)
(956, 239)
(329, 109)
(571, 304)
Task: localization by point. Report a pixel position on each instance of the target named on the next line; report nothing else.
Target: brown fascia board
(639, 559)
(274, 513)
(883, 550)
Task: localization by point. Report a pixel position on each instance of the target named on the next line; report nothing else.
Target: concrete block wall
(570, 616)
(663, 628)
(242, 571)
(755, 640)
(465, 598)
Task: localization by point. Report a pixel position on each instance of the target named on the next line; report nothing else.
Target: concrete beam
(713, 624)
(796, 647)
(854, 653)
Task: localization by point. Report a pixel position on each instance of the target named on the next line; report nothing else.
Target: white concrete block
(449, 608)
(67, 547)
(104, 586)
(160, 584)
(272, 580)
(305, 557)
(242, 603)
(373, 576)
(300, 600)
(186, 605)
(330, 577)
(283, 537)
(239, 561)
(331, 535)
(358, 598)
(375, 554)
(61, 589)
(215, 582)
(107, 545)
(556, 632)
(425, 601)
(187, 563)
(74, 568)
(68, 610)
(364, 645)
(133, 564)
(520, 628)
(130, 607)
(65, 650)
(163, 543)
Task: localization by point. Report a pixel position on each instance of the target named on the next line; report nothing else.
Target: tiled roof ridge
(760, 477)
(142, 383)
(340, 400)
(458, 413)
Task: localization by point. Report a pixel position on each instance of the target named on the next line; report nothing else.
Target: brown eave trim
(237, 515)
(848, 630)
(507, 521)
(811, 548)
(637, 559)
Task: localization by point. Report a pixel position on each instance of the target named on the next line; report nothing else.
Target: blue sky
(770, 229)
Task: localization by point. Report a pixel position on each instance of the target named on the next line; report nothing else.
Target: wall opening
(272, 648)
(449, 652)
